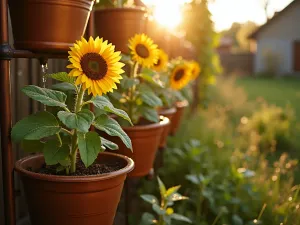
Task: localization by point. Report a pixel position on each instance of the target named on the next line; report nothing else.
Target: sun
(168, 13)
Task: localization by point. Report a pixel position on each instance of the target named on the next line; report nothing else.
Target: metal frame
(6, 54)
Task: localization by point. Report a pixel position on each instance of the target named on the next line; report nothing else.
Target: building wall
(275, 42)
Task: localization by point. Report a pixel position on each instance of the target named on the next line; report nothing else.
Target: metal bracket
(6, 52)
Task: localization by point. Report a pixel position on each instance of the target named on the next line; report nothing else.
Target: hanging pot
(169, 113)
(118, 25)
(73, 200)
(176, 120)
(145, 142)
(48, 25)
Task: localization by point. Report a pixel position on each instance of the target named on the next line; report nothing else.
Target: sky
(224, 12)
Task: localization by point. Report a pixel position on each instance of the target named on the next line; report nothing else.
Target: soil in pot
(73, 200)
(118, 25)
(176, 120)
(81, 170)
(169, 113)
(145, 141)
(48, 25)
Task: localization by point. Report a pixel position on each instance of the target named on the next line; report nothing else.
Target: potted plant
(175, 91)
(130, 21)
(72, 181)
(182, 73)
(159, 73)
(48, 25)
(163, 208)
(136, 98)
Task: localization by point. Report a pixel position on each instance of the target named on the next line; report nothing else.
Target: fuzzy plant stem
(164, 206)
(199, 203)
(78, 105)
(133, 75)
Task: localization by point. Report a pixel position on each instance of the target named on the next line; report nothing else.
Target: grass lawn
(280, 92)
(277, 91)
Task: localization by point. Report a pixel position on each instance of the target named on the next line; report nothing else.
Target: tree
(243, 33)
(232, 33)
(199, 29)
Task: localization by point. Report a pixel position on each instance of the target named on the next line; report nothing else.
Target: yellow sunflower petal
(95, 65)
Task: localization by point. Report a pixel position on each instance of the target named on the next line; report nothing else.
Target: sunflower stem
(79, 100)
(133, 75)
(78, 105)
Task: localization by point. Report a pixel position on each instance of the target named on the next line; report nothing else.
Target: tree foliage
(199, 29)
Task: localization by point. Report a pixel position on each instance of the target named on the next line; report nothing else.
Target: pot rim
(122, 9)
(164, 121)
(78, 179)
(167, 111)
(182, 104)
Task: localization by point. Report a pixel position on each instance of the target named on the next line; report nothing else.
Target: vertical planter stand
(6, 55)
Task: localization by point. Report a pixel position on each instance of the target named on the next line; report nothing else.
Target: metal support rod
(5, 115)
(6, 146)
(127, 201)
(90, 26)
(6, 52)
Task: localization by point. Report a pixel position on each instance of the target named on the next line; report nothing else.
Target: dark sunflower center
(158, 62)
(179, 74)
(94, 66)
(142, 51)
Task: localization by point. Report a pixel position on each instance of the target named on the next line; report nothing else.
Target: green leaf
(147, 219)
(162, 187)
(65, 162)
(89, 145)
(193, 178)
(149, 114)
(64, 87)
(125, 58)
(104, 104)
(109, 144)
(237, 220)
(177, 197)
(127, 82)
(63, 77)
(32, 146)
(35, 127)
(46, 96)
(54, 153)
(60, 168)
(156, 208)
(150, 199)
(179, 217)
(81, 121)
(152, 79)
(151, 99)
(112, 128)
(172, 190)
(115, 95)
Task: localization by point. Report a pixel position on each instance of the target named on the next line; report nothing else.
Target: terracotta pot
(118, 25)
(145, 141)
(48, 25)
(73, 200)
(169, 113)
(176, 120)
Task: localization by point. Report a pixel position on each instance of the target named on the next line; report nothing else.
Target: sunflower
(195, 69)
(180, 77)
(143, 50)
(96, 65)
(161, 62)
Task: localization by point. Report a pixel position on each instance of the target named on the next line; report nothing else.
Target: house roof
(273, 19)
